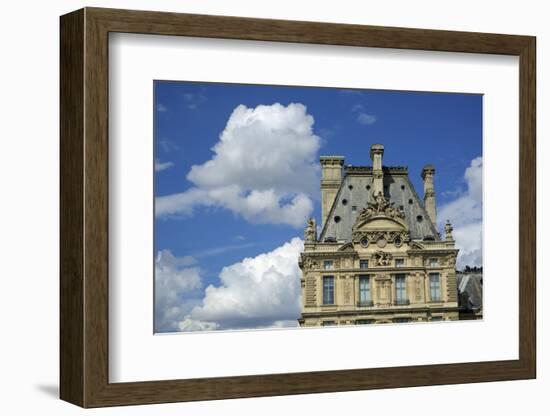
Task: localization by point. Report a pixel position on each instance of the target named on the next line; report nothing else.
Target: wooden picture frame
(84, 207)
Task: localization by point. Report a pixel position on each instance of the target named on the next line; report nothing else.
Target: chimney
(429, 193)
(376, 153)
(331, 178)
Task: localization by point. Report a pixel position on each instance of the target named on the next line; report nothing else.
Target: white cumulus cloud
(263, 291)
(466, 215)
(263, 168)
(175, 280)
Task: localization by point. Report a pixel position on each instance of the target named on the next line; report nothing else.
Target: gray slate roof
(353, 192)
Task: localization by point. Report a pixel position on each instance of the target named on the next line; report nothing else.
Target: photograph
(288, 206)
(279, 206)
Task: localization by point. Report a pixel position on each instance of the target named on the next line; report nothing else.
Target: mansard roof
(356, 190)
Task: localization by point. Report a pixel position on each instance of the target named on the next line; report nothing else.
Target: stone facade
(378, 257)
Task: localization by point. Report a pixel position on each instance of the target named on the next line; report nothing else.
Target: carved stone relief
(380, 206)
(308, 263)
(382, 259)
(381, 238)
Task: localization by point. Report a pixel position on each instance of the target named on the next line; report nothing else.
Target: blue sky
(416, 128)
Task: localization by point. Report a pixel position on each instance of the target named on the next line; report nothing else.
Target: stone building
(379, 257)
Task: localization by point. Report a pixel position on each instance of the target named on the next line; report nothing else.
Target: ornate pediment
(380, 209)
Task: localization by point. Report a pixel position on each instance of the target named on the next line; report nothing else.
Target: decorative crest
(380, 206)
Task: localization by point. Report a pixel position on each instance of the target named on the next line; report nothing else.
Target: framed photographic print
(255, 207)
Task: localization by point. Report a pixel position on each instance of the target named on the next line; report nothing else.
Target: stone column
(331, 179)
(429, 192)
(376, 153)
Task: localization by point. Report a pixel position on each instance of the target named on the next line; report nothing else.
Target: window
(353, 208)
(327, 264)
(435, 287)
(401, 290)
(399, 262)
(363, 264)
(437, 318)
(364, 321)
(401, 320)
(434, 262)
(364, 290)
(329, 323)
(337, 219)
(328, 290)
(344, 201)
